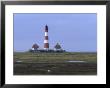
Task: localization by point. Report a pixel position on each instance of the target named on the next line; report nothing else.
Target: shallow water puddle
(19, 61)
(76, 61)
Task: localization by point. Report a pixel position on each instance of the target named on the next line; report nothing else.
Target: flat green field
(67, 63)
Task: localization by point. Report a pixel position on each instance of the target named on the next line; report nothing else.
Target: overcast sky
(75, 32)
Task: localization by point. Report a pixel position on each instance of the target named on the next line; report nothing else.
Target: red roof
(35, 46)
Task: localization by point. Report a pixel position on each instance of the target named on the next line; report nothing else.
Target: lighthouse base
(46, 49)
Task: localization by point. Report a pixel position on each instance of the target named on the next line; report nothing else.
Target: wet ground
(68, 63)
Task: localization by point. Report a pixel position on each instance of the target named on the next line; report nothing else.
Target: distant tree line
(46, 51)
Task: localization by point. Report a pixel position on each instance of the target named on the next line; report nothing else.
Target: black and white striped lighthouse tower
(46, 43)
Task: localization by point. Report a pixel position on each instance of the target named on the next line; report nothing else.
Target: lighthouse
(46, 43)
